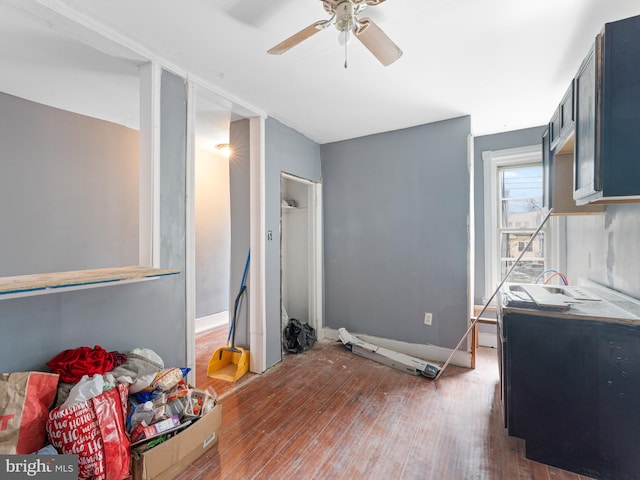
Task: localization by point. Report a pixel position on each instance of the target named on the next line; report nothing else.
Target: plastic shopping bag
(25, 398)
(95, 431)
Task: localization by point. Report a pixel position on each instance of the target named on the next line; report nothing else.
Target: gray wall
(604, 248)
(68, 190)
(117, 317)
(173, 203)
(499, 141)
(240, 224)
(285, 151)
(213, 241)
(396, 208)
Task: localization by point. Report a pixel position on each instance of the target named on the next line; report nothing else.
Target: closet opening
(301, 252)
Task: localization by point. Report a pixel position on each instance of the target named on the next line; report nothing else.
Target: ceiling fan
(344, 15)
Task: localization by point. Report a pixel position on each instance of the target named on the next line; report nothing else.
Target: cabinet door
(552, 394)
(620, 138)
(619, 395)
(587, 122)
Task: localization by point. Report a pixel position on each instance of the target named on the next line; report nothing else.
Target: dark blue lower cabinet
(572, 392)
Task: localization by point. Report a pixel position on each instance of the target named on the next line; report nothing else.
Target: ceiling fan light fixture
(344, 37)
(345, 16)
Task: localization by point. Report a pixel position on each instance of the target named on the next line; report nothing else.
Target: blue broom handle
(244, 277)
(246, 267)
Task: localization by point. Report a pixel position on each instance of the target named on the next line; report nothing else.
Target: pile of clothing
(130, 395)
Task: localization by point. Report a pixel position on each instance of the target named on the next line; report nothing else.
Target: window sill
(288, 208)
(44, 283)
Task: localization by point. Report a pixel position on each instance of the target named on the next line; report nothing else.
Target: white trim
(513, 156)
(314, 249)
(490, 220)
(425, 352)
(492, 160)
(149, 181)
(257, 242)
(190, 233)
(212, 321)
(471, 232)
(295, 178)
(318, 260)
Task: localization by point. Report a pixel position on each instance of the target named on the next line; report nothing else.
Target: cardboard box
(167, 460)
(399, 361)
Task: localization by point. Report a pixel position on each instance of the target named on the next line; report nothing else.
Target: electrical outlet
(427, 318)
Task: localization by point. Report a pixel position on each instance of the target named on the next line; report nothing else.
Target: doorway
(301, 252)
(212, 214)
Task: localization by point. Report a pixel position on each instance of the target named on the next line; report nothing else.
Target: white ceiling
(506, 63)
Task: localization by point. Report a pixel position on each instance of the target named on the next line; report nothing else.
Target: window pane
(520, 201)
(525, 271)
(521, 213)
(512, 244)
(518, 182)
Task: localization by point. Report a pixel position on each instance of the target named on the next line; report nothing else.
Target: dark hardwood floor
(329, 414)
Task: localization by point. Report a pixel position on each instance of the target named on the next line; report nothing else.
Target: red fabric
(71, 365)
(118, 358)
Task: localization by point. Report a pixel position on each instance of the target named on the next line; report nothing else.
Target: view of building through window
(520, 197)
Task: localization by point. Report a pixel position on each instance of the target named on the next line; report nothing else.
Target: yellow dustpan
(230, 363)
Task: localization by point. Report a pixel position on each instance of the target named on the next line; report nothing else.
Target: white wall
(213, 232)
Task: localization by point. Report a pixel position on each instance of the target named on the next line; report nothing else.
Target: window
(520, 200)
(523, 245)
(513, 212)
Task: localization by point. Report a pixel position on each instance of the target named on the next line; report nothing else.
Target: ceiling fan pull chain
(345, 53)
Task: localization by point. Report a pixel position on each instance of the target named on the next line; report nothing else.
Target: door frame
(315, 265)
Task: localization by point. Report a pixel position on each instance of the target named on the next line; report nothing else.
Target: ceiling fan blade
(377, 42)
(297, 38)
(373, 2)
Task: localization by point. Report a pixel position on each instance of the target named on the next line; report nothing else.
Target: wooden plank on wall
(41, 281)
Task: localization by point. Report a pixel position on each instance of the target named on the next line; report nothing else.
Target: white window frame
(555, 243)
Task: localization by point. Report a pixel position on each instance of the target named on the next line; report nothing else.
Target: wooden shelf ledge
(43, 283)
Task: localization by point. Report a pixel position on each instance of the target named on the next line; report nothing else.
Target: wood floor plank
(330, 414)
(323, 438)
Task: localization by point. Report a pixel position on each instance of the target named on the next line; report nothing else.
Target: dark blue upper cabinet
(607, 117)
(587, 139)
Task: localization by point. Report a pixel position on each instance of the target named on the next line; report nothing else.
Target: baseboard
(486, 339)
(425, 352)
(212, 321)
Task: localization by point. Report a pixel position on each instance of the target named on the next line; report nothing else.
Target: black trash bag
(298, 337)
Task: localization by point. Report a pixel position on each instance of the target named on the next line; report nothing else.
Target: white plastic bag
(86, 388)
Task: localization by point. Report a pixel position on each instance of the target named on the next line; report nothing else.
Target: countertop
(612, 306)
